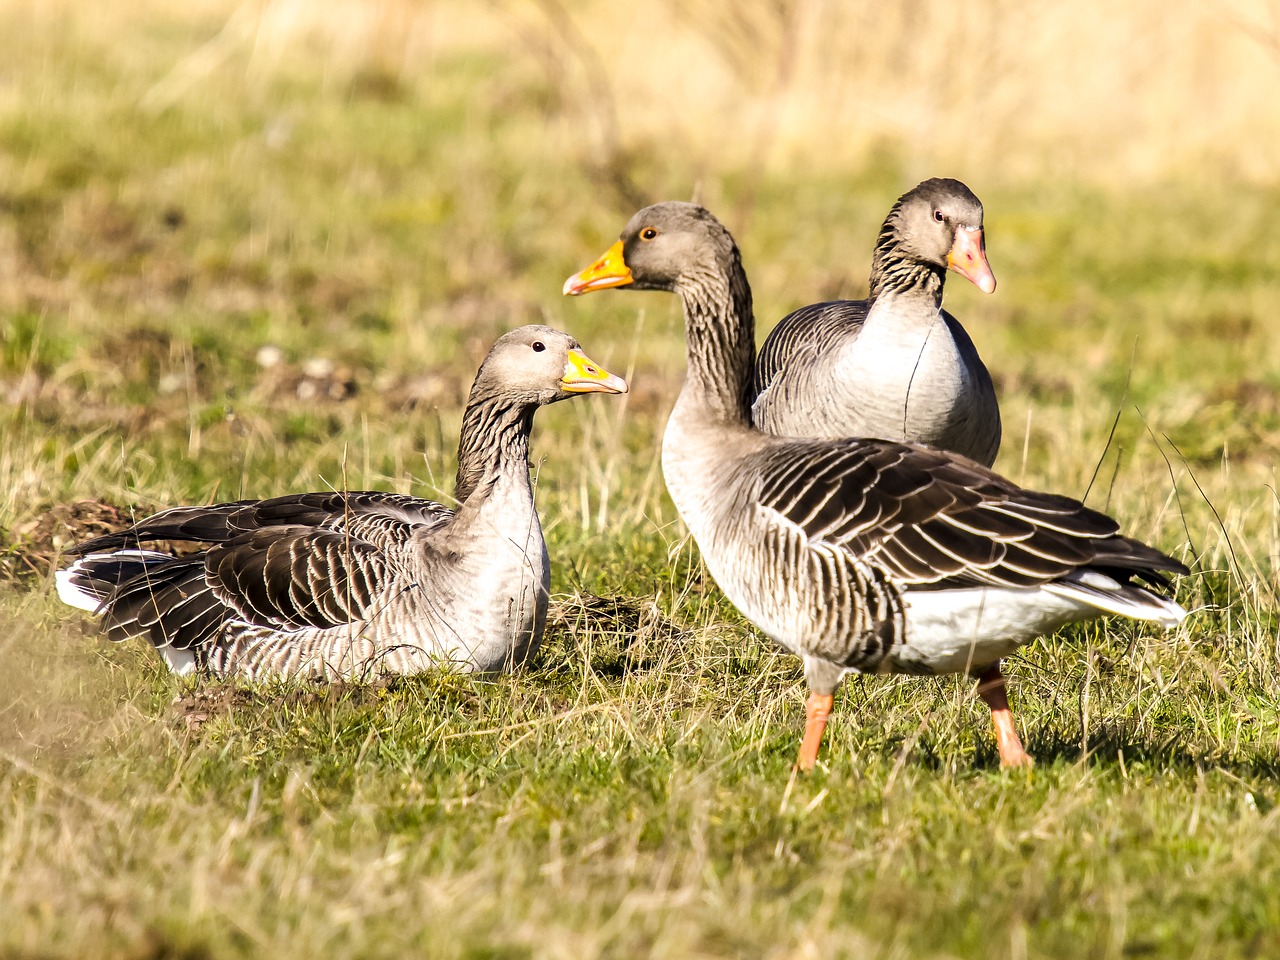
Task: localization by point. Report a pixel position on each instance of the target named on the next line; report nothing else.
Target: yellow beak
(609, 271)
(584, 375)
(968, 257)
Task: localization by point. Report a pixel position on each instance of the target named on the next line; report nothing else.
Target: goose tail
(1123, 599)
(89, 582)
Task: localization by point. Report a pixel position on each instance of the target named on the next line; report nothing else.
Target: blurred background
(233, 233)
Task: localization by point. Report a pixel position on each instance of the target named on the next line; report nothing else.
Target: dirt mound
(636, 618)
(33, 545)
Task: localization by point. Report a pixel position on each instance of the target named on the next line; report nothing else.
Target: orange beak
(609, 271)
(968, 257)
(584, 375)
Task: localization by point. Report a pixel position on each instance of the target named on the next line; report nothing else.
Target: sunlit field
(253, 249)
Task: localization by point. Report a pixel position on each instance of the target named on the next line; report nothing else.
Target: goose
(861, 555)
(357, 584)
(895, 365)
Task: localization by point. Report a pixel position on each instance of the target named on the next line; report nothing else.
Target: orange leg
(991, 689)
(816, 709)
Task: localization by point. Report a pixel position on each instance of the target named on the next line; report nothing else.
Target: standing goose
(861, 555)
(362, 583)
(895, 365)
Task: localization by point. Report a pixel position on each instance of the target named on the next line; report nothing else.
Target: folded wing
(934, 520)
(307, 560)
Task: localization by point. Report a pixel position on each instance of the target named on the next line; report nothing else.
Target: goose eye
(937, 215)
(538, 346)
(648, 233)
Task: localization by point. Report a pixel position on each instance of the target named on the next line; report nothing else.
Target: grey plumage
(356, 584)
(861, 554)
(896, 365)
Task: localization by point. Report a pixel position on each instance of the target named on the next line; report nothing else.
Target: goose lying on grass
(357, 584)
(895, 365)
(861, 555)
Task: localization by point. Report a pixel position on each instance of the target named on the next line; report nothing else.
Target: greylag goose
(895, 365)
(356, 584)
(861, 555)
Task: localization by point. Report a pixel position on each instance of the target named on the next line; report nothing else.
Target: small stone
(318, 368)
(270, 356)
(171, 382)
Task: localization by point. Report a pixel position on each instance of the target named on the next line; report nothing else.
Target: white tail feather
(181, 662)
(1099, 590)
(70, 594)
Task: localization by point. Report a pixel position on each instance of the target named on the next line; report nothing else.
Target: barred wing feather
(308, 560)
(803, 332)
(298, 577)
(384, 516)
(933, 519)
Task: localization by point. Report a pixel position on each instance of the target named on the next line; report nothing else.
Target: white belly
(955, 631)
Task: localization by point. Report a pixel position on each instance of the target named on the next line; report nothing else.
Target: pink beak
(968, 257)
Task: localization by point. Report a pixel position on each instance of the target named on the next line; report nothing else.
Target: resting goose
(861, 555)
(357, 584)
(895, 365)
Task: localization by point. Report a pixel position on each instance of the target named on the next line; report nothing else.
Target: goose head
(939, 223)
(663, 247)
(540, 365)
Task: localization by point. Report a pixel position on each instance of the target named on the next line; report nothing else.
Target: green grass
(628, 795)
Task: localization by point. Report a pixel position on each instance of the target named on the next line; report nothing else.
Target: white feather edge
(72, 595)
(181, 662)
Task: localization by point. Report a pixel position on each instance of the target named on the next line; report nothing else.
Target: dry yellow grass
(1094, 89)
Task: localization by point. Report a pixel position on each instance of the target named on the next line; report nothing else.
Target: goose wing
(308, 560)
(932, 519)
(384, 516)
(802, 332)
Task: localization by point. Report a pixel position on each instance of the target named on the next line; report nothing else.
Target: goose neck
(720, 336)
(494, 440)
(894, 271)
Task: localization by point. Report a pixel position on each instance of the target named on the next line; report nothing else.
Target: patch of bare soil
(638, 618)
(32, 546)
